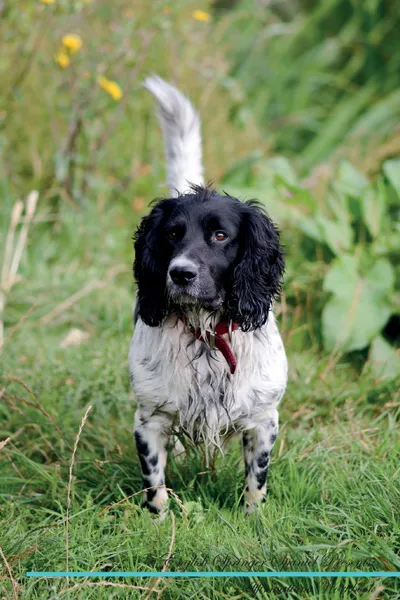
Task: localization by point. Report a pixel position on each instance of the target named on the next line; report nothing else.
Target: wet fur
(181, 383)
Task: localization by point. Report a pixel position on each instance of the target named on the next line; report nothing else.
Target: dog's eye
(172, 235)
(220, 236)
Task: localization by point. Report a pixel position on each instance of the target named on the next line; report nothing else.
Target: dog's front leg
(151, 436)
(257, 446)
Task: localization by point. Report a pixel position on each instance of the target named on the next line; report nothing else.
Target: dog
(206, 357)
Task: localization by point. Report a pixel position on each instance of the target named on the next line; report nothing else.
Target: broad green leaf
(340, 278)
(360, 304)
(391, 169)
(384, 359)
(390, 243)
(339, 204)
(350, 181)
(278, 172)
(373, 204)
(300, 197)
(269, 197)
(281, 167)
(311, 229)
(381, 275)
(338, 236)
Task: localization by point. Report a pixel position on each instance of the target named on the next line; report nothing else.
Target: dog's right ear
(150, 267)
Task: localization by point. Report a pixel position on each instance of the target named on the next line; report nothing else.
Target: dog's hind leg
(257, 447)
(151, 436)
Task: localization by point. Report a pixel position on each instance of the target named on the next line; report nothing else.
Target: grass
(317, 77)
(333, 500)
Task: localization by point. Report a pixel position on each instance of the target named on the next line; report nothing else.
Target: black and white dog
(206, 356)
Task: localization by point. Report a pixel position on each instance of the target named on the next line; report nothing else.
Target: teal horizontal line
(213, 574)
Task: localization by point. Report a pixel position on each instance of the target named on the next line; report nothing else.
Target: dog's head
(210, 251)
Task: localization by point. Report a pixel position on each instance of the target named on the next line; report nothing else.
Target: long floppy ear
(257, 276)
(150, 267)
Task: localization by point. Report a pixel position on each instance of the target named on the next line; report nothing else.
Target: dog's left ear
(258, 275)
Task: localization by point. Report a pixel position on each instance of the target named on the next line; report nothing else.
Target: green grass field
(70, 487)
(334, 496)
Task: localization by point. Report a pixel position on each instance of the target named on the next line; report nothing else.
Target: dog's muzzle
(188, 283)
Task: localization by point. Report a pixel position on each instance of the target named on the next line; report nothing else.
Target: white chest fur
(189, 383)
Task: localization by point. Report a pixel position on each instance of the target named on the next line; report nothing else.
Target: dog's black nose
(182, 275)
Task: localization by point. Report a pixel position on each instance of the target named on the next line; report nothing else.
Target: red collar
(215, 339)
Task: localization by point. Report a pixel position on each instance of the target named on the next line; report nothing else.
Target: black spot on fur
(153, 460)
(150, 508)
(143, 451)
(263, 460)
(141, 445)
(145, 467)
(261, 479)
(272, 439)
(147, 482)
(151, 494)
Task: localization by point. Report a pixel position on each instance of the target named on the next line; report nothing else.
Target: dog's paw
(156, 502)
(158, 516)
(253, 499)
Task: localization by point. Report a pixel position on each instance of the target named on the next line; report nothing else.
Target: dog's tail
(180, 124)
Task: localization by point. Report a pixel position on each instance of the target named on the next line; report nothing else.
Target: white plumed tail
(180, 124)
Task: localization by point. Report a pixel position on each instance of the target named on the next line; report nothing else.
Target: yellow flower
(72, 43)
(62, 59)
(111, 87)
(200, 15)
(48, 1)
